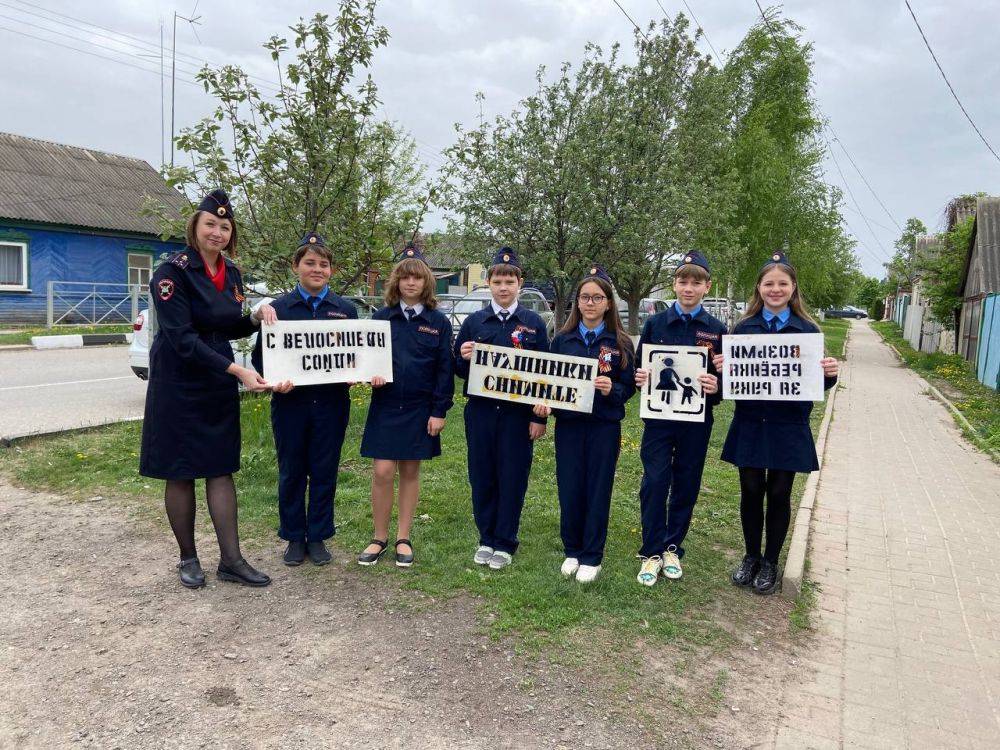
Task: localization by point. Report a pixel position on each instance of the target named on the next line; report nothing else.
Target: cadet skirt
(398, 432)
(190, 431)
(765, 444)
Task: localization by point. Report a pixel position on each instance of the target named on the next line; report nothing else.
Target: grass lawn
(835, 335)
(954, 377)
(530, 600)
(22, 335)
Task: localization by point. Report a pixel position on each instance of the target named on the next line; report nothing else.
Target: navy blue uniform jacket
(191, 428)
(618, 366)
(773, 434)
(484, 327)
(669, 328)
(292, 307)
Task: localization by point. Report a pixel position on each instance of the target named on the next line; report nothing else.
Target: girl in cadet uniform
(406, 416)
(587, 445)
(191, 428)
(769, 441)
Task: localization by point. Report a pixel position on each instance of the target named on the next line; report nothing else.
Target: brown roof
(57, 184)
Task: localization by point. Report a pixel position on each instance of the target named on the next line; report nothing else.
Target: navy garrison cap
(778, 257)
(414, 252)
(596, 272)
(312, 239)
(506, 256)
(217, 203)
(694, 258)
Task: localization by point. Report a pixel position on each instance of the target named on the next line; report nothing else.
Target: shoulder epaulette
(181, 260)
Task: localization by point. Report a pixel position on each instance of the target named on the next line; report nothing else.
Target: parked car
(848, 311)
(479, 298)
(648, 306)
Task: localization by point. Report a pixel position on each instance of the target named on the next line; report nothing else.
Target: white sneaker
(672, 563)
(483, 555)
(587, 573)
(570, 566)
(500, 560)
(649, 571)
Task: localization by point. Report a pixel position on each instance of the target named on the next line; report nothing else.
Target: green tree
(941, 273)
(901, 270)
(314, 158)
(867, 294)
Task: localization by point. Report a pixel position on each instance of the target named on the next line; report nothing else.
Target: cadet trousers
(586, 457)
(308, 437)
(673, 458)
(500, 454)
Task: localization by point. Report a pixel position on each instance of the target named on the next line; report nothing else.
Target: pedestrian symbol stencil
(672, 390)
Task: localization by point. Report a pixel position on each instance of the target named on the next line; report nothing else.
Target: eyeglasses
(592, 298)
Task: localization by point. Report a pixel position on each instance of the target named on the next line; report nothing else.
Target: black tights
(777, 484)
(220, 493)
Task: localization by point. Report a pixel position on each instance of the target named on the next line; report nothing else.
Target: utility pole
(194, 20)
(163, 156)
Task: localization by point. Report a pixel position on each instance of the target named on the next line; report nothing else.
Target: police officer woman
(191, 428)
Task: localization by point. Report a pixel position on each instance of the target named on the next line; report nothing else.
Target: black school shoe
(190, 573)
(404, 561)
(318, 553)
(744, 575)
(370, 558)
(766, 581)
(242, 572)
(295, 554)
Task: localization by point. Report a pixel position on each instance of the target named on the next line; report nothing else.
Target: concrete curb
(798, 547)
(14, 347)
(9, 441)
(75, 341)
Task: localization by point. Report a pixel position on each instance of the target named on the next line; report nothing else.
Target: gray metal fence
(92, 303)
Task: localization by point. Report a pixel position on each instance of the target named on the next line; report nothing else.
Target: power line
(625, 12)
(861, 174)
(950, 87)
(697, 23)
(870, 219)
(851, 193)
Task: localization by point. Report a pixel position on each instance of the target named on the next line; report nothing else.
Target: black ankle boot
(190, 573)
(241, 571)
(745, 573)
(295, 553)
(766, 582)
(318, 553)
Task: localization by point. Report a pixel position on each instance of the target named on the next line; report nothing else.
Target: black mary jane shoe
(190, 573)
(242, 572)
(295, 554)
(744, 575)
(766, 581)
(404, 561)
(318, 553)
(370, 558)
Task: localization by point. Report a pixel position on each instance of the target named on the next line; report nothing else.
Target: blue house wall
(69, 254)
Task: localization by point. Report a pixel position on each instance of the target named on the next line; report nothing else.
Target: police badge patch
(165, 289)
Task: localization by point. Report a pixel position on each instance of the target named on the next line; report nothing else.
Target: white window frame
(24, 268)
(129, 254)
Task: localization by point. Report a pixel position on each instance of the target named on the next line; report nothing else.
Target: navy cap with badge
(412, 252)
(312, 239)
(506, 256)
(778, 257)
(596, 272)
(694, 258)
(217, 203)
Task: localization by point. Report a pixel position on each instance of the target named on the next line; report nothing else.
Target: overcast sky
(874, 79)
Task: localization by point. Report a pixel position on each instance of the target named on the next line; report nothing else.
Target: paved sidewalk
(906, 552)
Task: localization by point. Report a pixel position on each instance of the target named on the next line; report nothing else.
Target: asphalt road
(60, 389)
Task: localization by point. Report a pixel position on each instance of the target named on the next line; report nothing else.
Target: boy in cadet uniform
(309, 421)
(673, 453)
(500, 434)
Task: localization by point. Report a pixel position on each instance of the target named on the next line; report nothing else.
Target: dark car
(848, 311)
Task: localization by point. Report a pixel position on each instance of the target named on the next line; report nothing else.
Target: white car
(479, 298)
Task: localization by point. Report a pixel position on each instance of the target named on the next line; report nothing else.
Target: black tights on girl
(777, 485)
(220, 493)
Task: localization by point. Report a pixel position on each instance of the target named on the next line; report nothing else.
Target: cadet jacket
(195, 322)
(668, 327)
(612, 362)
(422, 366)
(292, 306)
(796, 412)
(524, 329)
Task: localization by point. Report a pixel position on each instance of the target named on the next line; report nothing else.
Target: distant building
(73, 214)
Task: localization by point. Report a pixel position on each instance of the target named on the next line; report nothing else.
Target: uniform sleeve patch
(165, 289)
(428, 329)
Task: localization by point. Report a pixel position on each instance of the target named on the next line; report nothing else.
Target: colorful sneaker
(570, 566)
(587, 573)
(649, 571)
(672, 563)
(483, 555)
(500, 560)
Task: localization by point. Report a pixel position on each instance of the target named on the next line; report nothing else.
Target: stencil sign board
(312, 352)
(769, 367)
(673, 391)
